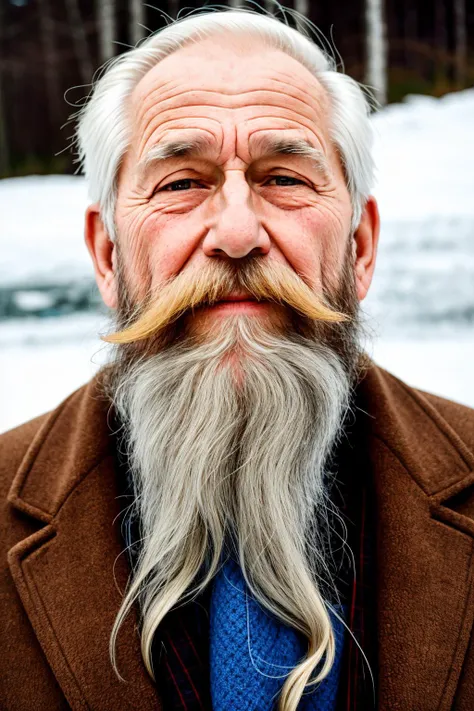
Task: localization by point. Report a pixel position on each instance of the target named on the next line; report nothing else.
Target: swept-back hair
(103, 130)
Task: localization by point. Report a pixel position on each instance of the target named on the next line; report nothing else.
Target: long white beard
(229, 439)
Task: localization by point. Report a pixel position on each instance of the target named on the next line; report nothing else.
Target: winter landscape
(419, 314)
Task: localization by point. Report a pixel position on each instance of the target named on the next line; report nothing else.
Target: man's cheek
(134, 274)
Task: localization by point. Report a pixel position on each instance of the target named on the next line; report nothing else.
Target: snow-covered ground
(420, 308)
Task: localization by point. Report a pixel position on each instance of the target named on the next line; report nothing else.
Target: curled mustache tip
(274, 284)
(151, 323)
(136, 332)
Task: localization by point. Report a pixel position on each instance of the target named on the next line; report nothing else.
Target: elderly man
(240, 511)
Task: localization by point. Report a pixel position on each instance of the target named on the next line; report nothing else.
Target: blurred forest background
(47, 47)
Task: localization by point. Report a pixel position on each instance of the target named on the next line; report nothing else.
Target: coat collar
(64, 571)
(425, 588)
(70, 573)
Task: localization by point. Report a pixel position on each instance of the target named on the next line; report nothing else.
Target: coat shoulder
(14, 444)
(459, 417)
(406, 401)
(432, 435)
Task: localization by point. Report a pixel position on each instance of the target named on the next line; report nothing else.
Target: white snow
(421, 304)
(42, 226)
(424, 152)
(43, 360)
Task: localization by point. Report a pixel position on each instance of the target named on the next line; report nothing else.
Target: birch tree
(107, 28)
(137, 21)
(302, 7)
(376, 49)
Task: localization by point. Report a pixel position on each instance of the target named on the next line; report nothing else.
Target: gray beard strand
(230, 438)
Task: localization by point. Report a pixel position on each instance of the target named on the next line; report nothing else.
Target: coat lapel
(69, 573)
(424, 548)
(64, 572)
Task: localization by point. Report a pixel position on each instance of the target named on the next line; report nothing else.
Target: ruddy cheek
(308, 243)
(169, 246)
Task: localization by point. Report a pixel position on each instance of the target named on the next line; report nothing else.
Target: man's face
(234, 190)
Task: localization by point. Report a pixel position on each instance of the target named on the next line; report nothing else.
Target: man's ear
(102, 251)
(366, 239)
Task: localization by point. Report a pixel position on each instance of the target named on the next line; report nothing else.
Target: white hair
(103, 132)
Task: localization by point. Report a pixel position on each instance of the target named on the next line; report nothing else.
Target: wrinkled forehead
(228, 81)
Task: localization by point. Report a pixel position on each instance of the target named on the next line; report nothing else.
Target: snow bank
(42, 227)
(425, 156)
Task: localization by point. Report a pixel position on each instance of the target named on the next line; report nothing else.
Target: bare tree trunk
(410, 36)
(441, 44)
(270, 6)
(4, 147)
(173, 8)
(107, 28)
(301, 6)
(48, 40)
(81, 48)
(137, 21)
(376, 49)
(460, 34)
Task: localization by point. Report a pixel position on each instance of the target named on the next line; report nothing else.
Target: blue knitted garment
(251, 652)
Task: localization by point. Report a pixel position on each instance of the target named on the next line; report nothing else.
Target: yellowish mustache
(270, 282)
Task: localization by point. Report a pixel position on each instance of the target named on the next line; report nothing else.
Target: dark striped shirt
(353, 495)
(181, 646)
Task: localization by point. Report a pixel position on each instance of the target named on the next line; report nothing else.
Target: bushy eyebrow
(189, 148)
(269, 146)
(263, 147)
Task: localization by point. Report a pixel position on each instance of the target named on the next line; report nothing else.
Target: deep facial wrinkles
(156, 104)
(307, 91)
(283, 114)
(295, 92)
(264, 96)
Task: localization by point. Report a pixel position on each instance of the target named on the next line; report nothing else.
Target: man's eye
(282, 180)
(184, 184)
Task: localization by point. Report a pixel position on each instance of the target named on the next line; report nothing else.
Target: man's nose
(235, 229)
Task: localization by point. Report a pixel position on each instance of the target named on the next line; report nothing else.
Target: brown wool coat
(60, 540)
